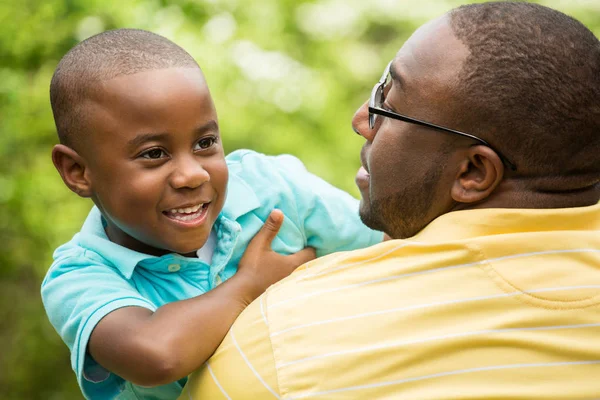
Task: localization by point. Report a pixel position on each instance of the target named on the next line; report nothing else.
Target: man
(492, 288)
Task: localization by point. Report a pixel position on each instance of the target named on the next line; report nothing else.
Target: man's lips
(363, 159)
(362, 178)
(362, 173)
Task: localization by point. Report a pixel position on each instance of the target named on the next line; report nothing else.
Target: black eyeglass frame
(374, 111)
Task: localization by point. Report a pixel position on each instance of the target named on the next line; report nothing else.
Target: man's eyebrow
(396, 76)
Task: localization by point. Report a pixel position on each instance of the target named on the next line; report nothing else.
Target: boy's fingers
(303, 256)
(270, 228)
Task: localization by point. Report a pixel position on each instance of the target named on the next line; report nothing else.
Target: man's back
(496, 303)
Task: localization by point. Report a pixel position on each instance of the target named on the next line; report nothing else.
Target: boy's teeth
(187, 210)
(185, 218)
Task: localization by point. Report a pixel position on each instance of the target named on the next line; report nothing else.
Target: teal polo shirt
(92, 276)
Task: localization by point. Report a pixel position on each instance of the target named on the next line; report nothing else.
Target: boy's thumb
(271, 227)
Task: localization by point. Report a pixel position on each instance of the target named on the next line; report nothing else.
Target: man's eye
(153, 154)
(205, 143)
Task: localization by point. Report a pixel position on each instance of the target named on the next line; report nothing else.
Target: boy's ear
(72, 169)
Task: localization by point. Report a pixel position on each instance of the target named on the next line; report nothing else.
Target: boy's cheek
(219, 173)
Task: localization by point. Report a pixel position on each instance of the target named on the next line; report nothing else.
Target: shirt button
(174, 267)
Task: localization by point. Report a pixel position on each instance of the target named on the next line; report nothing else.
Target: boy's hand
(261, 266)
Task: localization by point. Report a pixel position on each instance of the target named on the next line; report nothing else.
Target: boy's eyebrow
(207, 127)
(149, 137)
(146, 137)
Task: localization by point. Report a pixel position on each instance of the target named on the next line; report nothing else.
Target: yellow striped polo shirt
(482, 304)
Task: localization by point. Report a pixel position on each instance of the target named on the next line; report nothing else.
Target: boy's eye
(205, 143)
(153, 154)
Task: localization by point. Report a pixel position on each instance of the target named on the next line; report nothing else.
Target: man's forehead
(434, 27)
(432, 51)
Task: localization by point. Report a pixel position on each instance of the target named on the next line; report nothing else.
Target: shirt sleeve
(243, 367)
(77, 296)
(329, 215)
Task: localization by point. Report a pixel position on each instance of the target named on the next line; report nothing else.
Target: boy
(139, 136)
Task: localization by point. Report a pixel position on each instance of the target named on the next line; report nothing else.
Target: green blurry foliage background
(286, 77)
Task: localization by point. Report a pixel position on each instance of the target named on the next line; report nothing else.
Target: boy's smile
(154, 159)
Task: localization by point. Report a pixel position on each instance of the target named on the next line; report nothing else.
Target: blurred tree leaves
(286, 76)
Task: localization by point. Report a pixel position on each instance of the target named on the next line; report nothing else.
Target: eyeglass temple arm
(389, 114)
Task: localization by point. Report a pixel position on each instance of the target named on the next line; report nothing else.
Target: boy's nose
(360, 122)
(189, 173)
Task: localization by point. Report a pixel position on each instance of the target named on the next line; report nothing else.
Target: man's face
(155, 159)
(403, 182)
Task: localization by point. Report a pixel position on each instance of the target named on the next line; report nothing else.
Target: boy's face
(154, 159)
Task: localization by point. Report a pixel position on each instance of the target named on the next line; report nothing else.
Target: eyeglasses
(375, 110)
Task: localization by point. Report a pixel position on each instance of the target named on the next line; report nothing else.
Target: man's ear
(479, 174)
(72, 169)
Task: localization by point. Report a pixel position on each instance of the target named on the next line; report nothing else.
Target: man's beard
(403, 214)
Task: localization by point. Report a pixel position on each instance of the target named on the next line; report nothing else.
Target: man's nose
(189, 173)
(360, 122)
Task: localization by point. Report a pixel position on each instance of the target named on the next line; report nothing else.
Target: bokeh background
(286, 77)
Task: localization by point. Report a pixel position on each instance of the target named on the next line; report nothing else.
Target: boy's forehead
(149, 78)
(149, 101)
(142, 88)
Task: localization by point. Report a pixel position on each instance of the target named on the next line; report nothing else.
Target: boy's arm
(153, 348)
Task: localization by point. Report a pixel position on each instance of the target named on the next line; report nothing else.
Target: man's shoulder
(347, 273)
(325, 272)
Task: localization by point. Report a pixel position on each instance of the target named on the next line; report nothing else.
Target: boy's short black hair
(531, 85)
(101, 57)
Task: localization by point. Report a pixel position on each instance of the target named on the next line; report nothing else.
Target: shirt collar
(93, 237)
(467, 224)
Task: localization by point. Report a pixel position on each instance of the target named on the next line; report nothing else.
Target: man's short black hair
(531, 85)
(101, 57)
